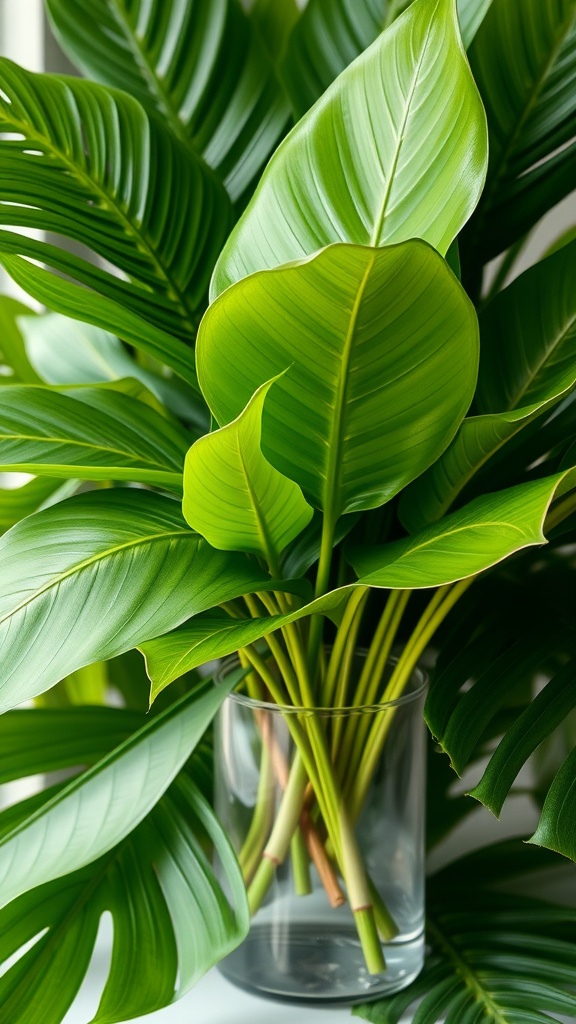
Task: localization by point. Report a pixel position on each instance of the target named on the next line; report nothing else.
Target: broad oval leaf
(524, 61)
(464, 543)
(98, 434)
(234, 497)
(196, 62)
(395, 149)
(63, 170)
(379, 348)
(79, 583)
(527, 364)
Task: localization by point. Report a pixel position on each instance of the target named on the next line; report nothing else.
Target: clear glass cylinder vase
(336, 880)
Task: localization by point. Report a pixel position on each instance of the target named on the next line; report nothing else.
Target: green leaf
(556, 828)
(63, 170)
(274, 21)
(197, 63)
(464, 543)
(332, 33)
(524, 61)
(415, 170)
(18, 502)
(98, 434)
(80, 583)
(92, 306)
(360, 332)
(234, 497)
(546, 712)
(100, 807)
(13, 356)
(65, 351)
(171, 918)
(493, 957)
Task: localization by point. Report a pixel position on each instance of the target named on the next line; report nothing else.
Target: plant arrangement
(282, 414)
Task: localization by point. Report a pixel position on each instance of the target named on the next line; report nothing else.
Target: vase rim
(418, 683)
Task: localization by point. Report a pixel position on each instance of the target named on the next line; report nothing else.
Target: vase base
(305, 967)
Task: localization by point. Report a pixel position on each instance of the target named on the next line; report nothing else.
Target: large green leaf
(527, 363)
(332, 33)
(234, 497)
(274, 21)
(395, 149)
(170, 916)
(89, 163)
(196, 62)
(66, 351)
(556, 828)
(524, 61)
(89, 433)
(379, 348)
(464, 543)
(95, 575)
(494, 958)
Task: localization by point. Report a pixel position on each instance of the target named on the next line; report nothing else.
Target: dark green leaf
(18, 502)
(13, 356)
(557, 827)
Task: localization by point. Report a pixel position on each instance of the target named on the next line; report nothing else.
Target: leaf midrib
(108, 201)
(550, 350)
(471, 980)
(47, 439)
(93, 560)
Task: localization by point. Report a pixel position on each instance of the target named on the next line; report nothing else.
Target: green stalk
(251, 852)
(322, 581)
(333, 688)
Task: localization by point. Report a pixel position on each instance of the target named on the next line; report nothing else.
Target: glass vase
(336, 885)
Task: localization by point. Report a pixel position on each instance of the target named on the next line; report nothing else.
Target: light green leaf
(13, 356)
(464, 543)
(379, 348)
(196, 62)
(99, 808)
(557, 826)
(343, 174)
(79, 582)
(99, 434)
(92, 307)
(90, 164)
(332, 33)
(66, 351)
(18, 502)
(524, 61)
(234, 497)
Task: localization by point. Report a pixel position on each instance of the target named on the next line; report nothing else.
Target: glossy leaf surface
(89, 163)
(343, 174)
(360, 333)
(524, 61)
(234, 497)
(89, 433)
(197, 63)
(79, 583)
(464, 543)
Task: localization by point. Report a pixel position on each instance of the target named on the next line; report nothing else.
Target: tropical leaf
(63, 170)
(89, 306)
(196, 63)
(18, 502)
(465, 542)
(343, 175)
(235, 498)
(524, 62)
(556, 829)
(274, 21)
(79, 583)
(99, 434)
(359, 332)
(65, 351)
(332, 33)
(14, 362)
(494, 957)
(527, 364)
(170, 915)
